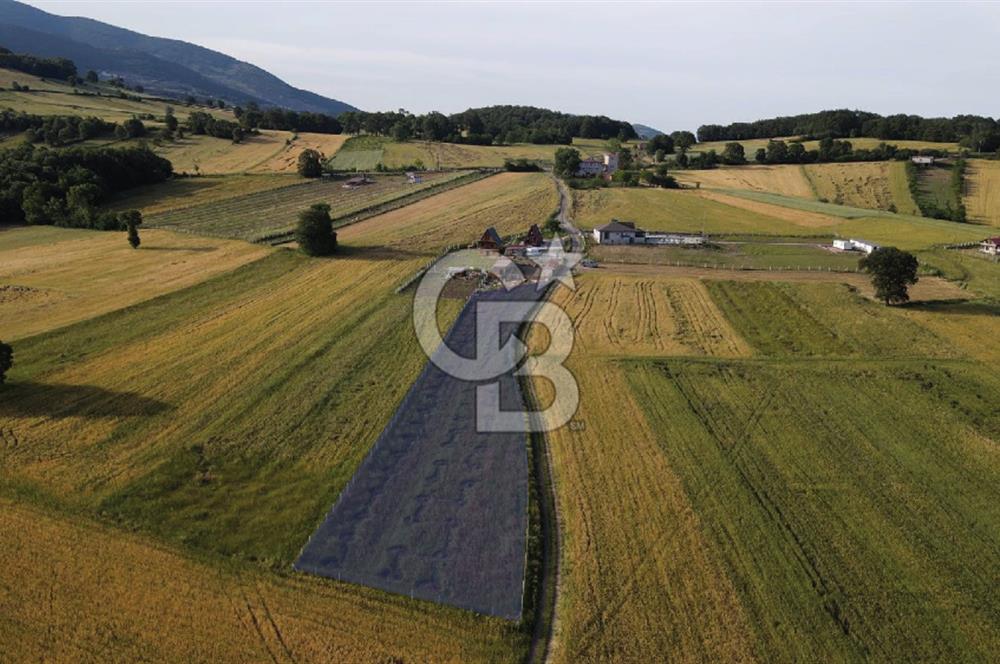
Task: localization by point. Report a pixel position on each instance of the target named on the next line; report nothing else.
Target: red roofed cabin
(534, 237)
(991, 246)
(491, 240)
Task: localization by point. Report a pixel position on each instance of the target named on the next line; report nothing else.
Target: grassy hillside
(744, 211)
(873, 185)
(786, 179)
(50, 277)
(365, 153)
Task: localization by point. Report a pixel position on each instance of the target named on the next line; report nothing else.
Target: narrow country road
(565, 205)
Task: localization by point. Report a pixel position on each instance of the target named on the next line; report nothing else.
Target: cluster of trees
(978, 133)
(59, 68)
(521, 165)
(200, 122)
(6, 360)
(54, 130)
(252, 117)
(487, 126)
(66, 187)
(830, 149)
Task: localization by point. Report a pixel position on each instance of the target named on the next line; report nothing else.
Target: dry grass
(212, 156)
(286, 161)
(789, 180)
(983, 191)
(863, 184)
(798, 221)
(76, 592)
(452, 155)
(52, 277)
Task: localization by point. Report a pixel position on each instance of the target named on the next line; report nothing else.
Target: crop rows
(266, 213)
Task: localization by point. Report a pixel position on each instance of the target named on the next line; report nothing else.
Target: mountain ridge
(168, 66)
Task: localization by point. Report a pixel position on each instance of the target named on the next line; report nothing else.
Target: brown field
(72, 275)
(785, 179)
(982, 198)
(802, 218)
(286, 160)
(76, 592)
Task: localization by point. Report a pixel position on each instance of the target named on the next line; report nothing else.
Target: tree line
(54, 130)
(978, 133)
(493, 125)
(59, 68)
(66, 187)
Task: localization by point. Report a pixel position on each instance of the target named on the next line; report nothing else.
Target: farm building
(991, 246)
(619, 232)
(600, 166)
(855, 245)
(413, 178)
(922, 161)
(490, 240)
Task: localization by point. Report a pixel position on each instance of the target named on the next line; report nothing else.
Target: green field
(365, 153)
(271, 212)
(853, 527)
(757, 255)
(738, 211)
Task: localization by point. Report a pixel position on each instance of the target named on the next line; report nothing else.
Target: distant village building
(491, 240)
(601, 166)
(922, 161)
(855, 245)
(991, 246)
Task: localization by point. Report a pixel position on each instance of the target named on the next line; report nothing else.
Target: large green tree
(315, 233)
(892, 271)
(310, 164)
(660, 142)
(567, 162)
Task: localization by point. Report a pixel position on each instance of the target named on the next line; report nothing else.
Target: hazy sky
(672, 66)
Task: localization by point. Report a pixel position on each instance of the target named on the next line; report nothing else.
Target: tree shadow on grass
(956, 306)
(31, 399)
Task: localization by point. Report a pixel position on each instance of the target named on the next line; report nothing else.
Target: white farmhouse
(920, 160)
(619, 232)
(600, 166)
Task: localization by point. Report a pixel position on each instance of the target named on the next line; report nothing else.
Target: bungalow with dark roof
(991, 246)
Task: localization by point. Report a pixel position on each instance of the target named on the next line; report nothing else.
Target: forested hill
(489, 125)
(978, 133)
(165, 66)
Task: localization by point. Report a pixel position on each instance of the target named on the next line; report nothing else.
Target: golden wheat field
(286, 160)
(233, 449)
(787, 179)
(77, 592)
(53, 277)
(202, 154)
(982, 197)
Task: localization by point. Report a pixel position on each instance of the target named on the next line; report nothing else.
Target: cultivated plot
(438, 509)
(265, 213)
